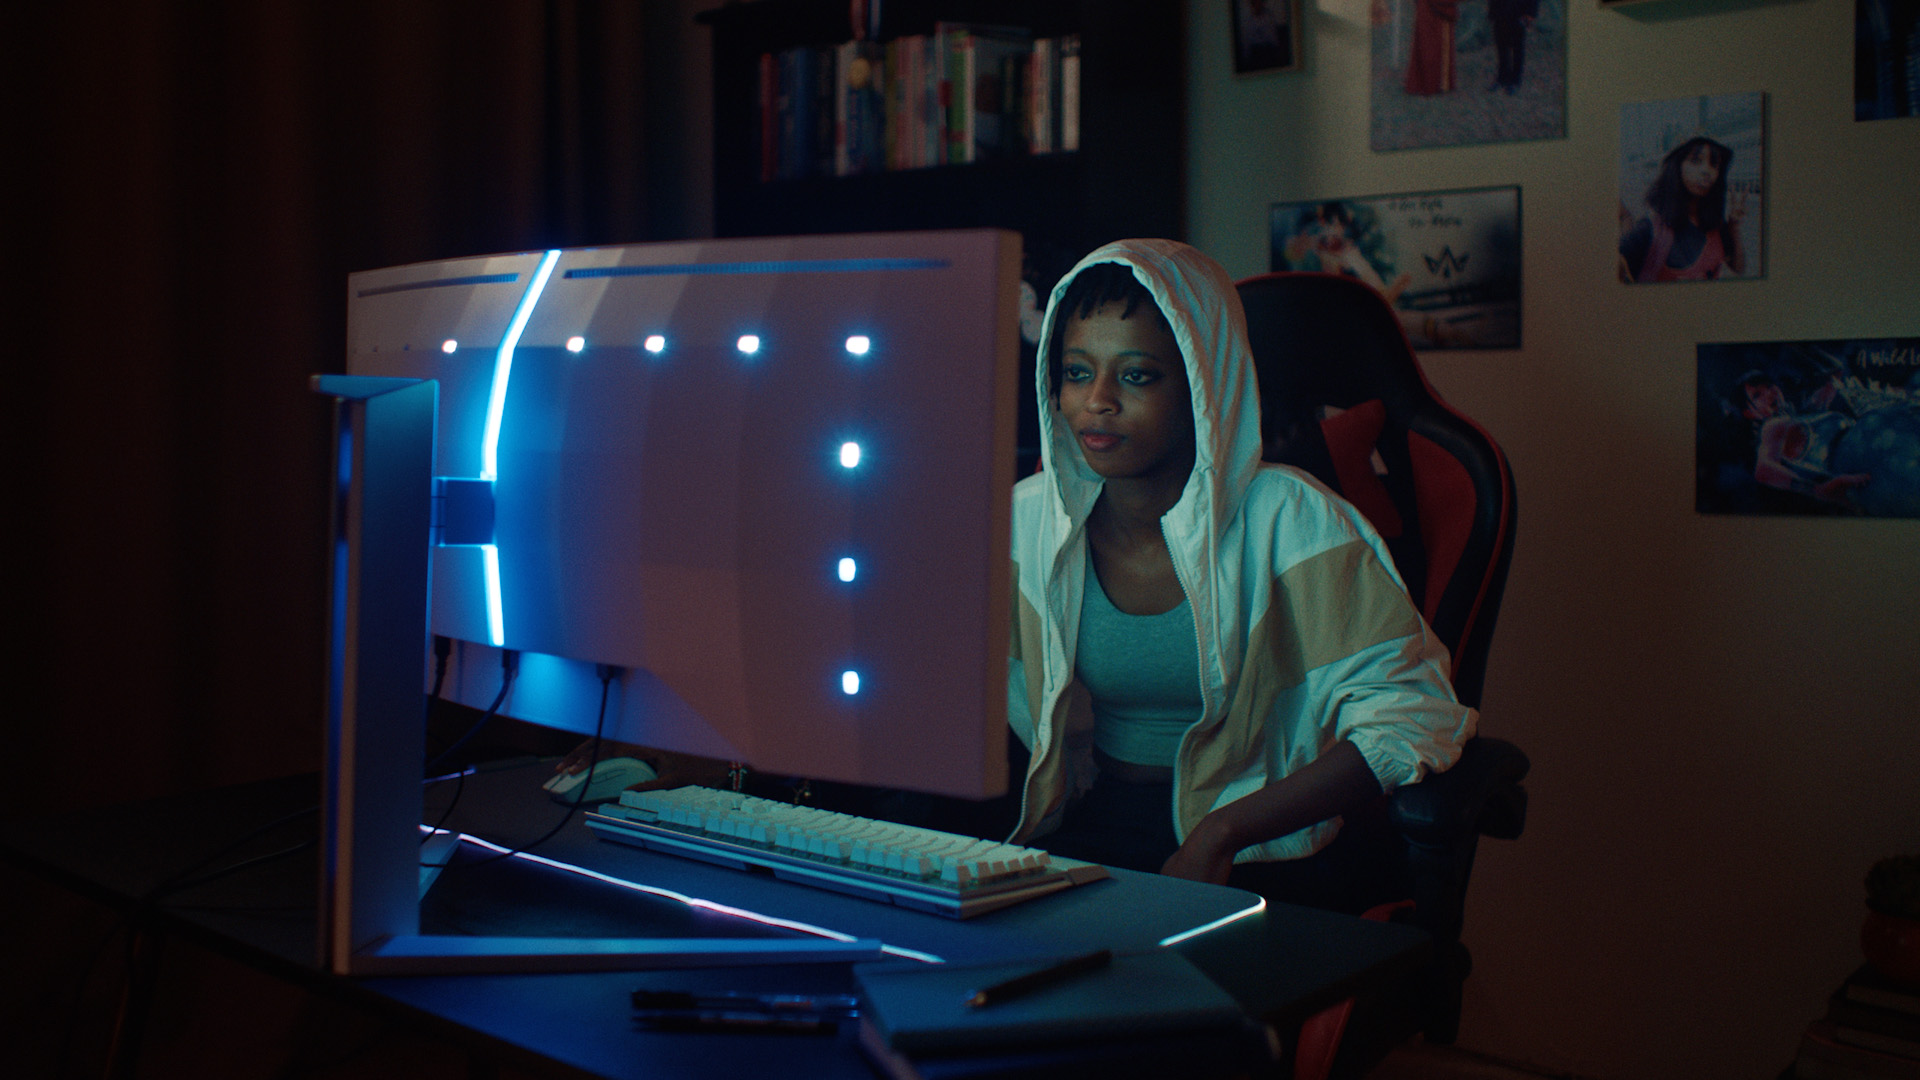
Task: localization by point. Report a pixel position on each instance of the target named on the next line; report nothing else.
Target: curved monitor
(767, 480)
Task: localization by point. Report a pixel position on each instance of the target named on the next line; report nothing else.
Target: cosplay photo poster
(1691, 189)
(1448, 261)
(1809, 427)
(1446, 73)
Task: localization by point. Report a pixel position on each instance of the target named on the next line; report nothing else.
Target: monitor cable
(510, 667)
(607, 673)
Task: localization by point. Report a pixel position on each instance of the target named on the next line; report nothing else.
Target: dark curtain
(189, 185)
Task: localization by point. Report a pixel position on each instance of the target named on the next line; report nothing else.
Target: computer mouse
(606, 780)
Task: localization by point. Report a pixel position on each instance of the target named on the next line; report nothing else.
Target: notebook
(921, 1009)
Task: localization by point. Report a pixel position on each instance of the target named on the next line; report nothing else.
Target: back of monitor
(764, 482)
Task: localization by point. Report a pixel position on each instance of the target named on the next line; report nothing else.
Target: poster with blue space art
(1448, 261)
(1809, 427)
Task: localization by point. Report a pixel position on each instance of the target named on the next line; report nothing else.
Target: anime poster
(1809, 427)
(1448, 261)
(1691, 192)
(1447, 73)
(1886, 59)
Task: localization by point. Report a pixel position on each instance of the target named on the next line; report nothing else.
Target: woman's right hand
(671, 770)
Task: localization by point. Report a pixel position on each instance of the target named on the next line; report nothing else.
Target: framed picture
(1886, 59)
(1809, 427)
(1448, 261)
(1446, 73)
(1692, 197)
(1266, 36)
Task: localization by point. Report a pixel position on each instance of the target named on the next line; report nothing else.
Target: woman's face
(1700, 170)
(1763, 400)
(1124, 394)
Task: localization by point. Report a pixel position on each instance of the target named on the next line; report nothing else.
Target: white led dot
(858, 344)
(850, 454)
(448, 346)
(849, 682)
(575, 344)
(748, 344)
(655, 343)
(846, 569)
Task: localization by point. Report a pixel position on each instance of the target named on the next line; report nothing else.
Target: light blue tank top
(1144, 674)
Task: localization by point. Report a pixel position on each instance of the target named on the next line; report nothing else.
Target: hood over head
(1202, 307)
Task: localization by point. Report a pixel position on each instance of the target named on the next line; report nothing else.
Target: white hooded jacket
(1306, 634)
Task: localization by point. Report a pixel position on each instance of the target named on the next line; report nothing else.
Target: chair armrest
(1480, 794)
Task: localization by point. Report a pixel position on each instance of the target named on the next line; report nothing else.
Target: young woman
(1690, 233)
(1214, 661)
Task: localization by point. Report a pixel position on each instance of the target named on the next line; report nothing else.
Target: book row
(960, 94)
(1871, 1032)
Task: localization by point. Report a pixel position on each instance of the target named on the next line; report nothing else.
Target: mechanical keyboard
(952, 875)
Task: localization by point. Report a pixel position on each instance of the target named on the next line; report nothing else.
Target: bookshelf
(1126, 178)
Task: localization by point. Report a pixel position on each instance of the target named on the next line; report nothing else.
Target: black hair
(1668, 197)
(1089, 291)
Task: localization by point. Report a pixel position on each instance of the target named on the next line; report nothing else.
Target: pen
(1034, 980)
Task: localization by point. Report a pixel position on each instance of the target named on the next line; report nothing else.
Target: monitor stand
(371, 803)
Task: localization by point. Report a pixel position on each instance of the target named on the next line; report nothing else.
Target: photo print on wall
(1266, 36)
(1449, 74)
(1692, 189)
(1886, 59)
(1809, 427)
(1448, 261)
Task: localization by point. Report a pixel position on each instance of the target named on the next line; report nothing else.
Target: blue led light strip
(490, 438)
(496, 613)
(503, 367)
(786, 266)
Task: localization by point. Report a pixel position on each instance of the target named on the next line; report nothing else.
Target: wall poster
(1886, 59)
(1266, 36)
(1691, 191)
(1448, 261)
(1446, 73)
(1809, 427)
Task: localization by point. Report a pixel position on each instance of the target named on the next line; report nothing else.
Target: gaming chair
(1343, 396)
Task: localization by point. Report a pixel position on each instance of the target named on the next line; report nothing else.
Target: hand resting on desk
(671, 770)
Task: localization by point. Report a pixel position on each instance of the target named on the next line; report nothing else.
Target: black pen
(1034, 980)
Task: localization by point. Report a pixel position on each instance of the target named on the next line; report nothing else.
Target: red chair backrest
(1342, 395)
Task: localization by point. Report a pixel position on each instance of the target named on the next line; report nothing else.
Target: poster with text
(1448, 261)
(1809, 427)
(1446, 73)
(1691, 189)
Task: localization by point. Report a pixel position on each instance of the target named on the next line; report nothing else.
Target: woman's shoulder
(1294, 498)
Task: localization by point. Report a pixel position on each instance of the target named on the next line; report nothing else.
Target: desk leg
(135, 1004)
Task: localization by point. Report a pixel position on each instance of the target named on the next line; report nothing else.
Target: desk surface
(1282, 964)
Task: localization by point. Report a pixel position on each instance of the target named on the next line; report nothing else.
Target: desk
(1281, 964)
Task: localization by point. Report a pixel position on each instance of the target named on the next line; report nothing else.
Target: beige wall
(1723, 712)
